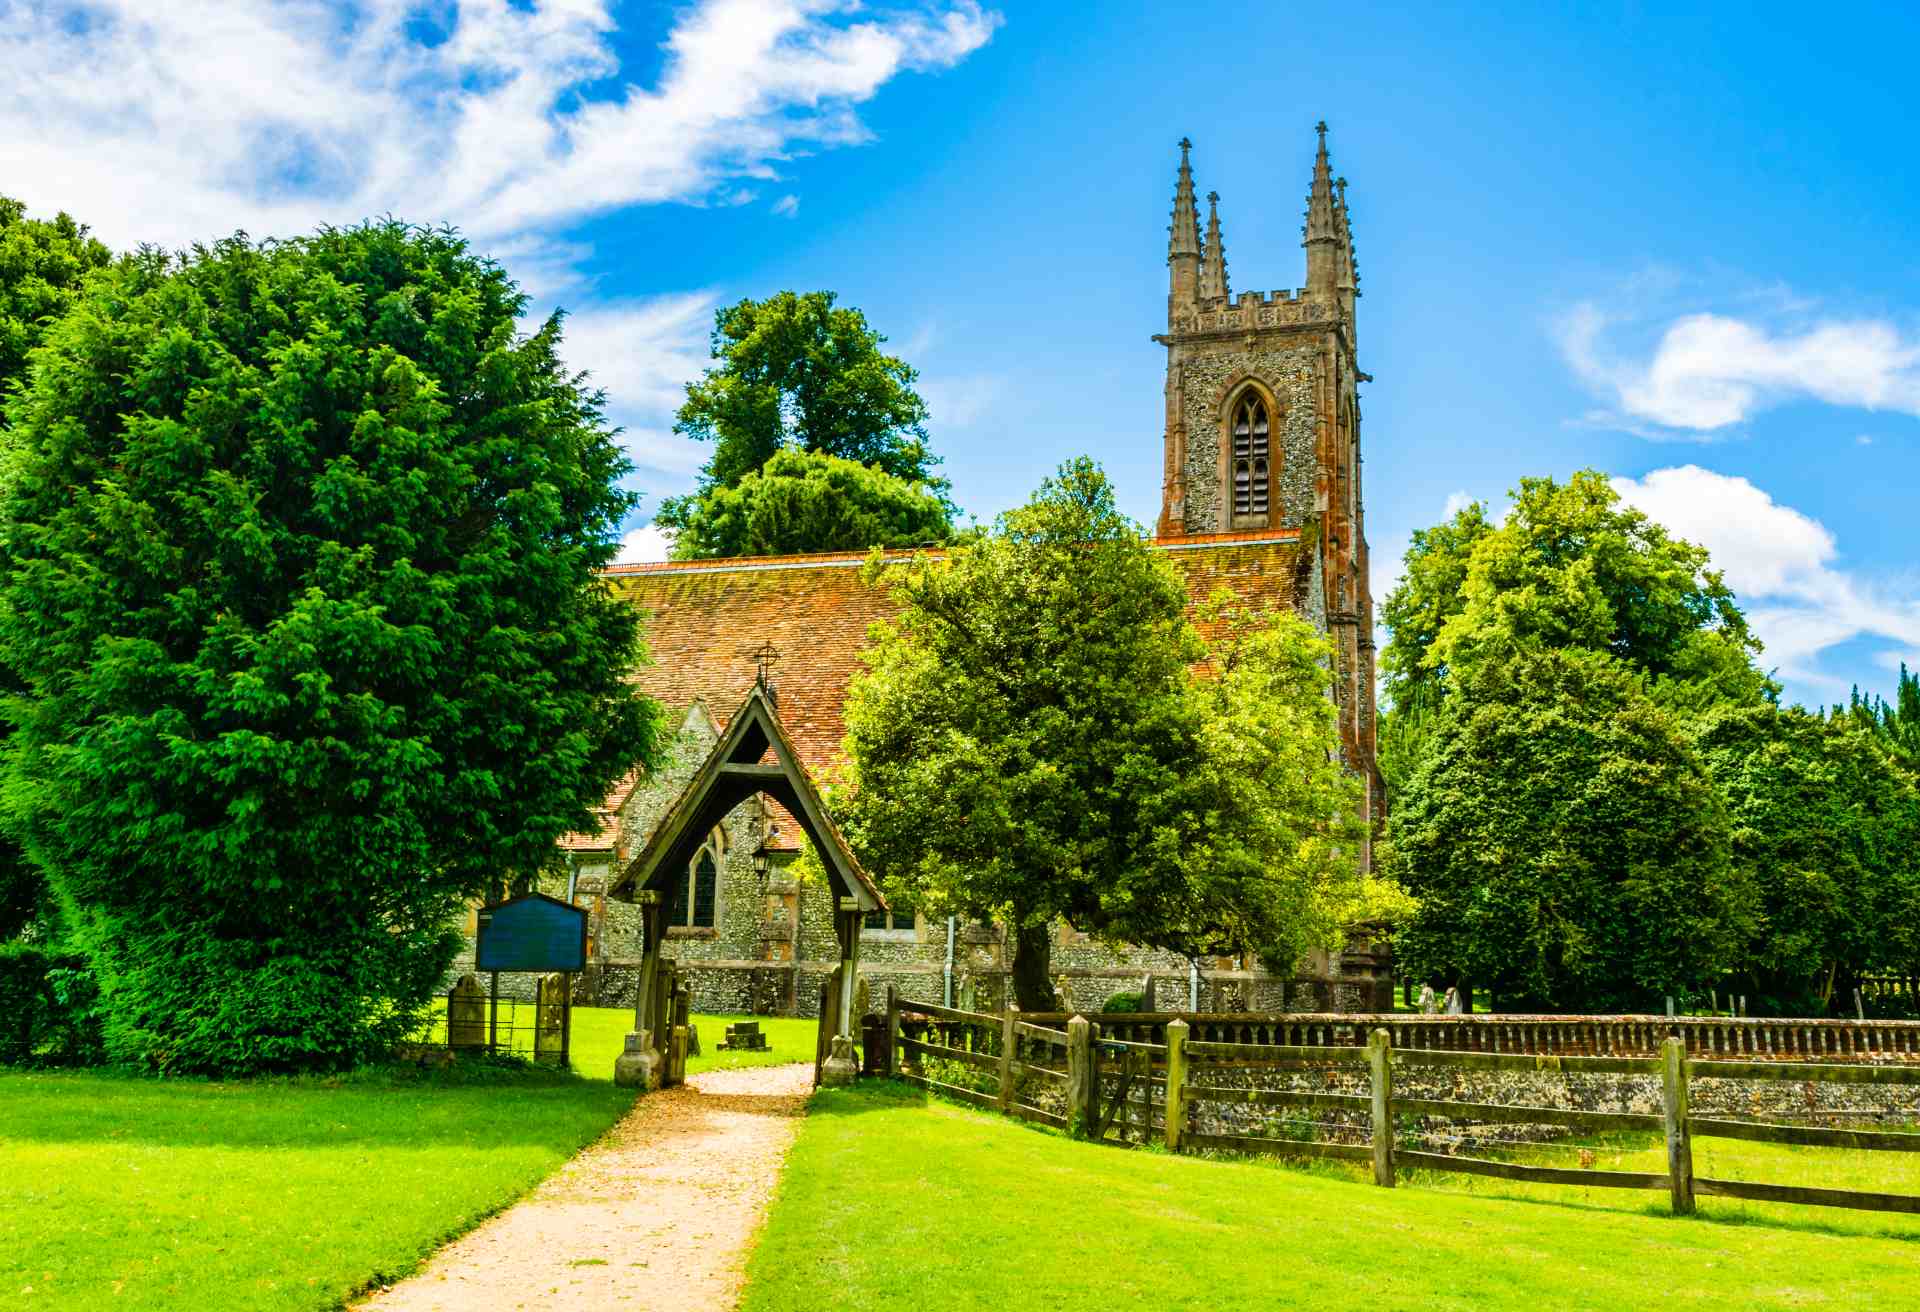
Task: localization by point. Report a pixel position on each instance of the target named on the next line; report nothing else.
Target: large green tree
(301, 551)
(1566, 847)
(42, 264)
(1035, 740)
(810, 501)
(797, 372)
(1827, 830)
(1570, 566)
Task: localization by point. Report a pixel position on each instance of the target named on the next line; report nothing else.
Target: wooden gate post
(892, 1066)
(1081, 1087)
(1176, 1107)
(1380, 1076)
(1673, 1078)
(1006, 1057)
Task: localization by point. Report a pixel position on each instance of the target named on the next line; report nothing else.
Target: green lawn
(891, 1201)
(599, 1033)
(283, 1194)
(139, 1193)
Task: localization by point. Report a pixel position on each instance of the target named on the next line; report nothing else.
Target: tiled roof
(706, 617)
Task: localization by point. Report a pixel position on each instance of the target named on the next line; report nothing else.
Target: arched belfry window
(1251, 456)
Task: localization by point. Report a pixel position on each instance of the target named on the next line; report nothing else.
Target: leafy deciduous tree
(795, 372)
(1565, 845)
(1032, 742)
(809, 501)
(1827, 830)
(301, 552)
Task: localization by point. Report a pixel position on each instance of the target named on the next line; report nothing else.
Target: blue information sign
(532, 932)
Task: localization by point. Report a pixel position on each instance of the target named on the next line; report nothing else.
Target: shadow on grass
(384, 1107)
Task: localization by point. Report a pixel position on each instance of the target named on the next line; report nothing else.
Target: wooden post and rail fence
(1080, 1077)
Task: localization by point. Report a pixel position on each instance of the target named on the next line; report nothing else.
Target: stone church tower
(1263, 425)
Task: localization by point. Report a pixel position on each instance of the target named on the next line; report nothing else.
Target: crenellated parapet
(1281, 308)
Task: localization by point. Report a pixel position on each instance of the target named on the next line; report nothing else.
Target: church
(1261, 494)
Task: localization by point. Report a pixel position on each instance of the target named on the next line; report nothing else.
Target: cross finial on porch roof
(765, 656)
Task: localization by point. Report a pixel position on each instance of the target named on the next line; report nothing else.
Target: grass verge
(893, 1201)
(282, 1194)
(272, 1194)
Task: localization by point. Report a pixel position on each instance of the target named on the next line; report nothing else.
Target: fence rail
(1764, 1038)
(1140, 1076)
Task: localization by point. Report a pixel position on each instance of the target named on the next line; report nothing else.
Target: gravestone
(467, 1014)
(744, 1037)
(550, 1019)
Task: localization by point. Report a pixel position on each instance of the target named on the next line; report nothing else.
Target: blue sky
(1675, 246)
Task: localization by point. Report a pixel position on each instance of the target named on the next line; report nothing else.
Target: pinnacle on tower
(1322, 234)
(1213, 256)
(1183, 239)
(1349, 272)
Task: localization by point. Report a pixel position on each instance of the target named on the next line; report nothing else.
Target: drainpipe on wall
(948, 992)
(573, 875)
(1193, 984)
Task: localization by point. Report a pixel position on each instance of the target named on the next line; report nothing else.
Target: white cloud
(643, 352)
(787, 206)
(1706, 372)
(1784, 566)
(644, 546)
(175, 122)
(1456, 502)
(961, 400)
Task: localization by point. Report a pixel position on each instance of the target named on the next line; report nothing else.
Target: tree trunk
(1032, 962)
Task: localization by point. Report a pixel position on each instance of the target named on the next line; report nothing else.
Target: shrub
(48, 1007)
(1120, 1002)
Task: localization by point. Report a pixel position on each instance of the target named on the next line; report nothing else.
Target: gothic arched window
(1251, 456)
(696, 898)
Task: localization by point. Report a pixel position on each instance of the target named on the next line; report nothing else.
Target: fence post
(893, 1030)
(1673, 1075)
(1006, 1058)
(1081, 1089)
(1380, 1076)
(1176, 1107)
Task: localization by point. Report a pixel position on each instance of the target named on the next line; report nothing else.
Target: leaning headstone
(1146, 994)
(1453, 1003)
(467, 1014)
(1429, 1005)
(693, 1039)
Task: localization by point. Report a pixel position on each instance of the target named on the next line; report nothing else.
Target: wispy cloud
(1785, 567)
(174, 122)
(787, 206)
(960, 400)
(643, 353)
(1695, 374)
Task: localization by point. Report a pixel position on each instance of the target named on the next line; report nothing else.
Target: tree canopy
(810, 501)
(1031, 742)
(301, 551)
(1565, 845)
(796, 372)
(42, 263)
(1826, 828)
(1895, 723)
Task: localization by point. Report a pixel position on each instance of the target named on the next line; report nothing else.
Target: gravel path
(659, 1214)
